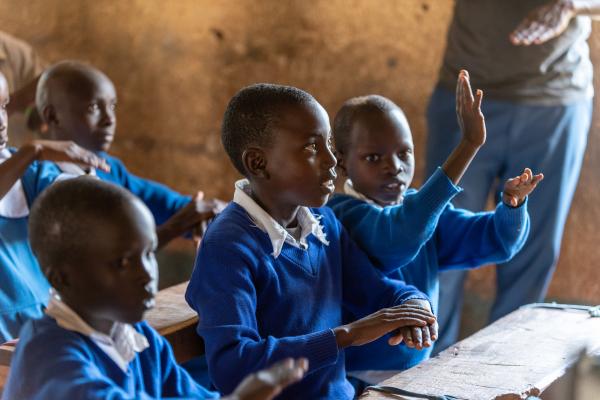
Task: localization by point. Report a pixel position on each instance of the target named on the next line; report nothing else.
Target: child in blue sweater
(96, 243)
(271, 274)
(409, 234)
(77, 102)
(23, 175)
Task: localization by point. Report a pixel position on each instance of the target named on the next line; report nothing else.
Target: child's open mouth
(394, 187)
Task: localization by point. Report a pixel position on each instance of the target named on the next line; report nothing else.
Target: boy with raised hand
(23, 175)
(274, 270)
(409, 234)
(78, 102)
(96, 243)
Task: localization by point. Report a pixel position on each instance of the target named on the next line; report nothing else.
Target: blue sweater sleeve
(223, 292)
(468, 240)
(69, 372)
(393, 236)
(176, 381)
(38, 176)
(366, 289)
(162, 201)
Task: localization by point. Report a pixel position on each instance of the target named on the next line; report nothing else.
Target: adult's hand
(544, 23)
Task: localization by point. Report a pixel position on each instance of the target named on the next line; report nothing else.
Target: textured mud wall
(176, 63)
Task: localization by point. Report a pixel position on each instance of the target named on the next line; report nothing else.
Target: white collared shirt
(123, 343)
(71, 170)
(307, 222)
(14, 202)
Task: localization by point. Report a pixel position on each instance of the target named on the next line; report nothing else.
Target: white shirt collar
(69, 168)
(350, 191)
(123, 343)
(14, 203)
(308, 223)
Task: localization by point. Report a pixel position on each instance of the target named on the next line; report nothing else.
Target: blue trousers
(547, 139)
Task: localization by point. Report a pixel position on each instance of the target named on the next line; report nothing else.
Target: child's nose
(108, 116)
(329, 160)
(394, 165)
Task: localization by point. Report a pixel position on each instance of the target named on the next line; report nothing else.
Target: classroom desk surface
(176, 321)
(523, 352)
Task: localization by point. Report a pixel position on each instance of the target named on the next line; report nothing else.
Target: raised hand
(543, 23)
(386, 320)
(468, 111)
(268, 383)
(55, 150)
(518, 188)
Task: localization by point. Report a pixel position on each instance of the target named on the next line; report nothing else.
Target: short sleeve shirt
(18, 62)
(556, 72)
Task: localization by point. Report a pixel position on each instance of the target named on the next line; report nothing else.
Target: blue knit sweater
(54, 363)
(23, 287)
(415, 240)
(162, 201)
(256, 309)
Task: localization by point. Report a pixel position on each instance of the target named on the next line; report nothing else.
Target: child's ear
(49, 115)
(255, 162)
(341, 166)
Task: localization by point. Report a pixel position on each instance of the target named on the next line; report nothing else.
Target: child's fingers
(433, 331)
(537, 178)
(417, 337)
(396, 339)
(513, 183)
(466, 84)
(408, 338)
(478, 100)
(425, 336)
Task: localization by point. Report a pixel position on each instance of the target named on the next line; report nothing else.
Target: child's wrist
(470, 144)
(342, 336)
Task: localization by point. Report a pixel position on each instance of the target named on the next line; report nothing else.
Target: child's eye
(93, 107)
(123, 262)
(372, 157)
(330, 143)
(311, 147)
(405, 154)
(113, 106)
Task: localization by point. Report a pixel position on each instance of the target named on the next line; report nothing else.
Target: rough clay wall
(176, 63)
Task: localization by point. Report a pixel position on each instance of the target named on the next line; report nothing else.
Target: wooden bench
(176, 321)
(522, 353)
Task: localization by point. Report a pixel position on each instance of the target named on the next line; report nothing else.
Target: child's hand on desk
(386, 320)
(518, 188)
(468, 110)
(268, 383)
(415, 336)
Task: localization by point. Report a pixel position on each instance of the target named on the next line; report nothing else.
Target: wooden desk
(176, 321)
(523, 352)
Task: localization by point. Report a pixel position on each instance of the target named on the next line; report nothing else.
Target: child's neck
(99, 324)
(285, 215)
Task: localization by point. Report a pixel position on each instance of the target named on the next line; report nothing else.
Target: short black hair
(60, 219)
(250, 115)
(353, 108)
(64, 77)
